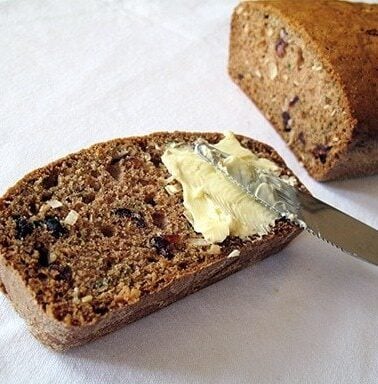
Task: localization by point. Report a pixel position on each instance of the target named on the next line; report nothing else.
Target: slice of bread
(311, 67)
(94, 240)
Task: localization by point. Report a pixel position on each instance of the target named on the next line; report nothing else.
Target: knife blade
(338, 228)
(317, 217)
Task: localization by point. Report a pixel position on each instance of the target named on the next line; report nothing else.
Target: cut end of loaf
(275, 61)
(96, 240)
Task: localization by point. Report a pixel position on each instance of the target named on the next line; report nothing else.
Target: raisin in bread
(94, 240)
(311, 67)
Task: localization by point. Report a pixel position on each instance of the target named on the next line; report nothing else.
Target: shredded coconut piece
(75, 298)
(54, 203)
(52, 257)
(71, 218)
(172, 189)
(234, 253)
(87, 299)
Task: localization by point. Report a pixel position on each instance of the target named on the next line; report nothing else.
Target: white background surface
(76, 72)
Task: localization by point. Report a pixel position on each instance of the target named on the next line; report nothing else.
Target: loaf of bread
(94, 241)
(312, 69)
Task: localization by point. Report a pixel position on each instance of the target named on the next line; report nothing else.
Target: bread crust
(343, 37)
(59, 335)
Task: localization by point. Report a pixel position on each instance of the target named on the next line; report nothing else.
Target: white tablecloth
(76, 72)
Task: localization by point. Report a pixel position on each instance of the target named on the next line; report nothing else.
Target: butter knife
(317, 217)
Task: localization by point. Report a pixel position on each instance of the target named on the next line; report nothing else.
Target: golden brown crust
(106, 271)
(334, 75)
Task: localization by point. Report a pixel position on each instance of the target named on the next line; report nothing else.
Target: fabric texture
(77, 72)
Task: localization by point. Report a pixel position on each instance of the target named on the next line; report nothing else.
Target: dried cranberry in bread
(94, 241)
(312, 68)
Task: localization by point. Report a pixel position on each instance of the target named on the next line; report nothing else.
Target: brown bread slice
(130, 252)
(312, 69)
